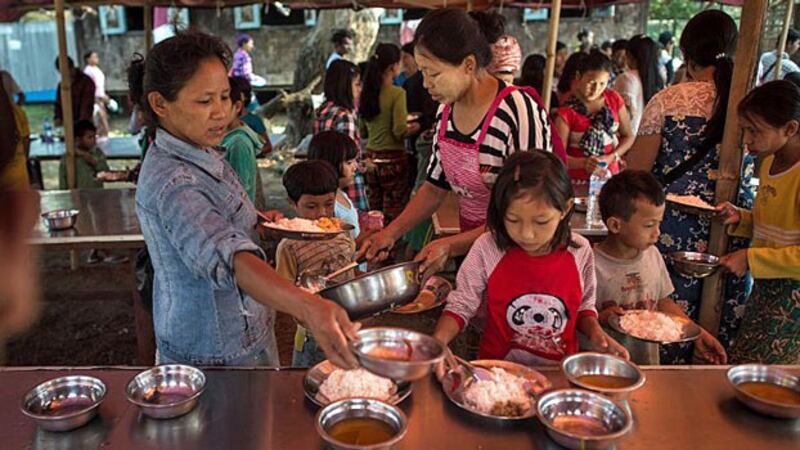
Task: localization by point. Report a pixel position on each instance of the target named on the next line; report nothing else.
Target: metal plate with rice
(319, 373)
(536, 383)
(280, 232)
(690, 330)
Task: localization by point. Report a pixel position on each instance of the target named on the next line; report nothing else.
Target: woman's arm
(562, 128)
(642, 154)
(422, 206)
(626, 136)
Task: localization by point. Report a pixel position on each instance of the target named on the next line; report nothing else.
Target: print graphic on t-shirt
(538, 320)
(461, 191)
(633, 294)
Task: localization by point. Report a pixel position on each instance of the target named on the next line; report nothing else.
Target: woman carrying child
(770, 328)
(532, 276)
(214, 293)
(342, 90)
(481, 122)
(594, 121)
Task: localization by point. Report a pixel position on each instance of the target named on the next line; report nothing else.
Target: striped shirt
(519, 124)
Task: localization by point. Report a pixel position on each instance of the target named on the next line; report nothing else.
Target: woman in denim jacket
(214, 293)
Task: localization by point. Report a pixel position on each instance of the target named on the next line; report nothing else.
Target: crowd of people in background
(457, 111)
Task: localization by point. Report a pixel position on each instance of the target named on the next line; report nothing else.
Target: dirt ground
(87, 314)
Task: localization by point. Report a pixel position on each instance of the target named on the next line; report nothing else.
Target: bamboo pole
(550, 65)
(787, 22)
(730, 156)
(66, 93)
(148, 28)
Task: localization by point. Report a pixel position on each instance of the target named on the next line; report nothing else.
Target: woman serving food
(481, 122)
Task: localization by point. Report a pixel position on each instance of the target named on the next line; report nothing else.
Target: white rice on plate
(504, 395)
(298, 224)
(651, 325)
(342, 384)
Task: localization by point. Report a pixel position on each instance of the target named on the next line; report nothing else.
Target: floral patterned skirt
(770, 330)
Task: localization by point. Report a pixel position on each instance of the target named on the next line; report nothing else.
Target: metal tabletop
(123, 147)
(678, 408)
(107, 219)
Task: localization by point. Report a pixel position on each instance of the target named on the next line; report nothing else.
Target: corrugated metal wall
(29, 49)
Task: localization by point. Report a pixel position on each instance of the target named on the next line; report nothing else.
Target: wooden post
(148, 27)
(787, 22)
(550, 66)
(66, 93)
(730, 156)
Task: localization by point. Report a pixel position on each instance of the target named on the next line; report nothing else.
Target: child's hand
(729, 212)
(606, 344)
(605, 314)
(735, 262)
(709, 349)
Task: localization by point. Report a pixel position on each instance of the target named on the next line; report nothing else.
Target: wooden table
(253, 409)
(107, 220)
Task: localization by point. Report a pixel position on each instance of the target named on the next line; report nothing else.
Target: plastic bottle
(599, 177)
(47, 132)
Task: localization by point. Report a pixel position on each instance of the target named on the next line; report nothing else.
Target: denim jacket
(195, 216)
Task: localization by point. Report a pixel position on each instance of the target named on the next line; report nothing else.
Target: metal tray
(691, 331)
(319, 373)
(283, 233)
(453, 387)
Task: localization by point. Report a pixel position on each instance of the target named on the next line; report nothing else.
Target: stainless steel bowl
(168, 391)
(765, 374)
(590, 363)
(694, 264)
(378, 291)
(60, 219)
(361, 408)
(64, 403)
(580, 419)
(397, 353)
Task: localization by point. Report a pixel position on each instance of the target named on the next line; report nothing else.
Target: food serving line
(677, 408)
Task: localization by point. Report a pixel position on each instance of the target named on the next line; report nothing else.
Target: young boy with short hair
(631, 273)
(89, 159)
(311, 187)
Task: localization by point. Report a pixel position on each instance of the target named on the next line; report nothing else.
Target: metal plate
(278, 232)
(453, 387)
(691, 331)
(691, 209)
(319, 373)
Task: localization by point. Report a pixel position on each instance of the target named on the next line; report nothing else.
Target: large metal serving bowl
(582, 409)
(423, 352)
(60, 219)
(64, 403)
(694, 264)
(764, 374)
(167, 391)
(378, 291)
(590, 363)
(361, 408)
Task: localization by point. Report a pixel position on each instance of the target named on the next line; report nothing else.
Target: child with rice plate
(631, 274)
(530, 276)
(770, 329)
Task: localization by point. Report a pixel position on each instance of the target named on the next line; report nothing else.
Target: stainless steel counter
(685, 408)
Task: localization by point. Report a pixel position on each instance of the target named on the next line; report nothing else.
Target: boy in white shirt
(631, 273)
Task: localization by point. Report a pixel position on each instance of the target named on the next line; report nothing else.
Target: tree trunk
(310, 67)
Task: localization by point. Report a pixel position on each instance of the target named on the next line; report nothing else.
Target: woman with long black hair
(384, 112)
(642, 80)
(678, 141)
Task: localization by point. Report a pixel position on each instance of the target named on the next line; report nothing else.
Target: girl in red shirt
(594, 121)
(530, 279)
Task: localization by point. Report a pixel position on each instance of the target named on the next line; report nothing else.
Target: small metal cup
(361, 408)
(424, 352)
(167, 391)
(60, 219)
(591, 363)
(764, 374)
(64, 403)
(587, 409)
(694, 264)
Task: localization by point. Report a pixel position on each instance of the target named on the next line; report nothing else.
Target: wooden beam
(550, 65)
(66, 93)
(148, 28)
(787, 22)
(730, 156)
